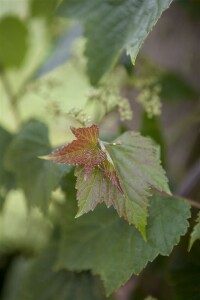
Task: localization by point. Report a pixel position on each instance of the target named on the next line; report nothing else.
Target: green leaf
(39, 281)
(5, 139)
(176, 88)
(195, 235)
(20, 229)
(37, 178)
(13, 41)
(138, 168)
(44, 8)
(151, 127)
(110, 26)
(107, 245)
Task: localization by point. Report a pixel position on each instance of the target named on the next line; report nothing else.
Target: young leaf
(102, 242)
(36, 177)
(138, 170)
(195, 235)
(112, 25)
(82, 151)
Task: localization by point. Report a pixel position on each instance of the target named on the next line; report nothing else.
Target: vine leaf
(87, 151)
(112, 25)
(195, 235)
(82, 151)
(119, 174)
(96, 241)
(37, 279)
(37, 178)
(138, 169)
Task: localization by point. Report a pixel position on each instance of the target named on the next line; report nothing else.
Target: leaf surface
(102, 242)
(38, 280)
(82, 151)
(112, 25)
(13, 41)
(36, 177)
(138, 169)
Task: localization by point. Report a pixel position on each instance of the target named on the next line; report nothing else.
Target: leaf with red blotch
(129, 176)
(83, 151)
(110, 172)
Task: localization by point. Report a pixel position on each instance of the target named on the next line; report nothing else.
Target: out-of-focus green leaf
(44, 8)
(35, 176)
(39, 280)
(195, 235)
(20, 229)
(13, 41)
(102, 242)
(61, 51)
(5, 139)
(176, 88)
(110, 26)
(151, 127)
(185, 273)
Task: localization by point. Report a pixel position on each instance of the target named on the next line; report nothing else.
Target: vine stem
(193, 203)
(11, 96)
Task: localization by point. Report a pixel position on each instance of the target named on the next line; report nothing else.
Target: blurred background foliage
(43, 76)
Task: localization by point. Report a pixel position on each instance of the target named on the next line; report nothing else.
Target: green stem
(193, 203)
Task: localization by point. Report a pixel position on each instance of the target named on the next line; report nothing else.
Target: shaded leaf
(36, 177)
(108, 246)
(151, 127)
(176, 88)
(44, 8)
(110, 26)
(5, 139)
(20, 229)
(38, 280)
(195, 235)
(13, 41)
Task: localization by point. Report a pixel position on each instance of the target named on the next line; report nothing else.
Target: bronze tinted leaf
(83, 151)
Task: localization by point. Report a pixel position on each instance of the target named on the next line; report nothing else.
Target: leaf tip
(46, 157)
(79, 214)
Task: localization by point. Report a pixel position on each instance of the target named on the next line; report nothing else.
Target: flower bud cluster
(124, 109)
(109, 97)
(149, 95)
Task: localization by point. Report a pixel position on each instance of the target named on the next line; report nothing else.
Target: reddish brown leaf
(83, 151)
